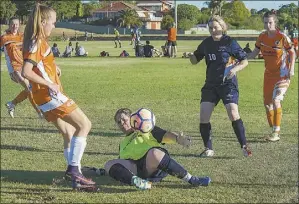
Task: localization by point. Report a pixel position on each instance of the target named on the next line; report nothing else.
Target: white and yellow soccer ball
(143, 120)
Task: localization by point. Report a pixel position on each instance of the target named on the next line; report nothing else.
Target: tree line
(234, 12)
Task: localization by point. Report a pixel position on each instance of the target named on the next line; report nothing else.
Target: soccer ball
(143, 120)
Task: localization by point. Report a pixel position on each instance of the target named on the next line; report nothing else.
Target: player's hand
(231, 74)
(54, 88)
(58, 71)
(184, 140)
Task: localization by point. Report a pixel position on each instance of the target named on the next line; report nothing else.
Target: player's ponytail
(34, 29)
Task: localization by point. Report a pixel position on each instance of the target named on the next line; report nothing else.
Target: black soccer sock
(205, 131)
(115, 44)
(239, 131)
(171, 167)
(121, 173)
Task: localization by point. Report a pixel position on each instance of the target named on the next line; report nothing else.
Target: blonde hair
(221, 22)
(34, 30)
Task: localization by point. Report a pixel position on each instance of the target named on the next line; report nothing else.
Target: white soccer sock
(77, 148)
(66, 153)
(187, 177)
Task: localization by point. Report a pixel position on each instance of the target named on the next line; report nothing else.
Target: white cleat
(10, 108)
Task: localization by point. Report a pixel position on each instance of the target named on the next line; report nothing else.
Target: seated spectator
(68, 50)
(148, 49)
(165, 49)
(55, 50)
(104, 54)
(247, 49)
(124, 53)
(80, 51)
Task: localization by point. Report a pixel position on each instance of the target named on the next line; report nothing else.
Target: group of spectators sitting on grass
(68, 52)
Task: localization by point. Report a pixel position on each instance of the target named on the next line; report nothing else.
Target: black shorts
(228, 93)
(171, 43)
(116, 38)
(157, 176)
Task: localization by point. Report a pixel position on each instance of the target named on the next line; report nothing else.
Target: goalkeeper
(142, 160)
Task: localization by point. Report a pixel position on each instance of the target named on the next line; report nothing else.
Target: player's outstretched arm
(193, 58)
(174, 138)
(253, 54)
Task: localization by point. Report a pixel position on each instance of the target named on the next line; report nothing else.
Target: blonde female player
(12, 41)
(40, 69)
(279, 56)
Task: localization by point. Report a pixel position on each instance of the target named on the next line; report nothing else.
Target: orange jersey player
(12, 42)
(279, 56)
(40, 69)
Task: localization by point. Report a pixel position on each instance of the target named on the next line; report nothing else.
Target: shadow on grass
(253, 185)
(55, 181)
(20, 148)
(92, 133)
(196, 156)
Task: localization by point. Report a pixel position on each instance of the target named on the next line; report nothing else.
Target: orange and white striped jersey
(12, 45)
(42, 58)
(275, 52)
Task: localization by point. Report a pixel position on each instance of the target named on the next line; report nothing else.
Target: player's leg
(209, 99)
(115, 42)
(280, 90)
(175, 49)
(125, 171)
(170, 53)
(158, 158)
(230, 98)
(119, 43)
(67, 132)
(82, 124)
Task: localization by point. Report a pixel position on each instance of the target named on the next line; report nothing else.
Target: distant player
(117, 38)
(172, 44)
(224, 58)
(12, 42)
(279, 56)
(294, 38)
(142, 158)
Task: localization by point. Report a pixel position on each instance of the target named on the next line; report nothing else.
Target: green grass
(32, 163)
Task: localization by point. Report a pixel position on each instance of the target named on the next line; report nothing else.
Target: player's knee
(154, 156)
(234, 115)
(276, 103)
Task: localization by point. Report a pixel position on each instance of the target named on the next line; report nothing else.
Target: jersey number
(212, 56)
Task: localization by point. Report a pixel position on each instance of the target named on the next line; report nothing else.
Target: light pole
(176, 14)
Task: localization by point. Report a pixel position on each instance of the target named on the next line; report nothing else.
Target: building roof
(153, 2)
(118, 6)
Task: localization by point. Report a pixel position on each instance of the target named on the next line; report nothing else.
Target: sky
(258, 5)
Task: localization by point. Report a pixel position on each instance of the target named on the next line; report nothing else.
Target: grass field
(32, 163)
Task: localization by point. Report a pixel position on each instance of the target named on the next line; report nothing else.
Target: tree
(253, 22)
(262, 11)
(288, 15)
(235, 13)
(167, 21)
(185, 24)
(88, 8)
(24, 8)
(215, 6)
(128, 18)
(79, 11)
(64, 9)
(8, 9)
(253, 11)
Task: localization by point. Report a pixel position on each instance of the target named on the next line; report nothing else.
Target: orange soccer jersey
(52, 105)
(12, 45)
(172, 34)
(275, 53)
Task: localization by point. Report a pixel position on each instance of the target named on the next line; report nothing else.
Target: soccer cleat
(40, 115)
(85, 188)
(10, 108)
(246, 151)
(273, 137)
(200, 181)
(141, 183)
(207, 153)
